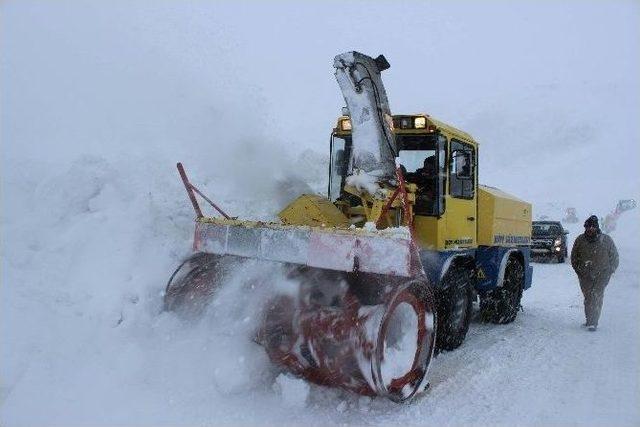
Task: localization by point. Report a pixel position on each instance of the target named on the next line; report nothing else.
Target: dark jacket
(597, 259)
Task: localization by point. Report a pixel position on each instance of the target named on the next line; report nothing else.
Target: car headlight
(557, 242)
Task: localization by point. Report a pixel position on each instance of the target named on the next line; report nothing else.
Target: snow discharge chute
(359, 78)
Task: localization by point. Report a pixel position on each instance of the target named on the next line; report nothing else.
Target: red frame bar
(191, 188)
(408, 217)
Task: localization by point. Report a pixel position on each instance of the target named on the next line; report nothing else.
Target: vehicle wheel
(501, 305)
(561, 259)
(454, 307)
(192, 285)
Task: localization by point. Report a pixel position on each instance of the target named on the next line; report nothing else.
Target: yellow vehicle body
(490, 217)
(314, 211)
(503, 220)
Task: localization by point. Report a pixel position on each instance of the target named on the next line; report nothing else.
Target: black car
(549, 240)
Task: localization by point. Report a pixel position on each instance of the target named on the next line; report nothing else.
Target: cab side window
(462, 170)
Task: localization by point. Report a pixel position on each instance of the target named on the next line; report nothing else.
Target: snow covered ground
(85, 343)
(94, 218)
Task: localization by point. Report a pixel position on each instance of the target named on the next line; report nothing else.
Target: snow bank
(81, 302)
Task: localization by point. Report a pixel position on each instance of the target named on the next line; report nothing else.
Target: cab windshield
(545, 229)
(422, 159)
(412, 160)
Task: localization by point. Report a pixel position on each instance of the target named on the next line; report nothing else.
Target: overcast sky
(533, 82)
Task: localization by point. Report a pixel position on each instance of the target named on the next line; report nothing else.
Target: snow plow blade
(362, 319)
(349, 250)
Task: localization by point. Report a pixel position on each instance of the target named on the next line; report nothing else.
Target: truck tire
(501, 305)
(561, 259)
(454, 305)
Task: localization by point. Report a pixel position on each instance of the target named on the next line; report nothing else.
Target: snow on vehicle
(389, 263)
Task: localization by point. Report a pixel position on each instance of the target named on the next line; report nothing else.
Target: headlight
(420, 123)
(557, 242)
(345, 124)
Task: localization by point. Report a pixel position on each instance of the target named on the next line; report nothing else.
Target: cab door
(461, 217)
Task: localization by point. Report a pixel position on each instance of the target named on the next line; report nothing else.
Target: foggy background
(535, 83)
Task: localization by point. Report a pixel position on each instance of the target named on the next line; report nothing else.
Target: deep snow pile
(92, 247)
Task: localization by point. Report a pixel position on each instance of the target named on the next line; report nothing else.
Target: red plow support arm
(191, 188)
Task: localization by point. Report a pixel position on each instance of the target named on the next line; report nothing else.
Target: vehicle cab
(442, 163)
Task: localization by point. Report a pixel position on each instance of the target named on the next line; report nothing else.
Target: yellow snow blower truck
(388, 264)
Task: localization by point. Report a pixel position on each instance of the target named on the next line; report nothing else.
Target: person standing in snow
(594, 258)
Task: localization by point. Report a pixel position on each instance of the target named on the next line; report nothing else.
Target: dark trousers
(593, 291)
